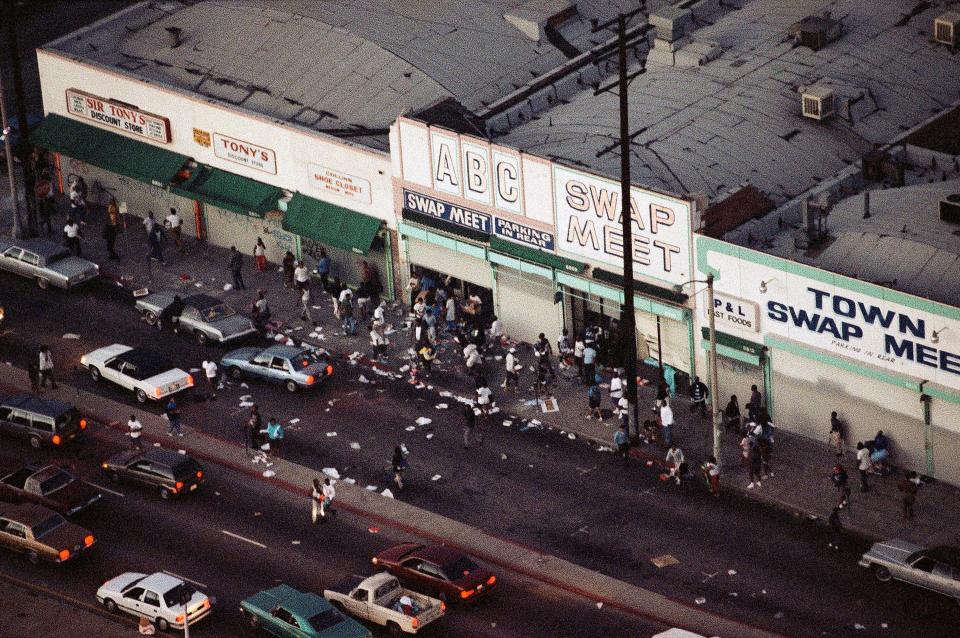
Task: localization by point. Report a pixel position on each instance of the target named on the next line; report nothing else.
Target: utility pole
(627, 317)
(714, 398)
(26, 165)
(14, 205)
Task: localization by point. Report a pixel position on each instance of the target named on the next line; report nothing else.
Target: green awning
(528, 253)
(330, 224)
(229, 191)
(112, 152)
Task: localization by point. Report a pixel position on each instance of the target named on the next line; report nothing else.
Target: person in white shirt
(864, 465)
(483, 396)
(666, 423)
(472, 358)
(135, 428)
(301, 275)
(71, 234)
(496, 332)
(676, 460)
(380, 314)
(326, 504)
(45, 364)
(148, 222)
(513, 370)
(578, 347)
(175, 224)
(210, 371)
(616, 388)
(305, 314)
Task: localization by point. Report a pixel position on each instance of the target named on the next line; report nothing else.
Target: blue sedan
(296, 368)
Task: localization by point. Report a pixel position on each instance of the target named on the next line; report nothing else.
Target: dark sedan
(49, 486)
(437, 570)
(171, 473)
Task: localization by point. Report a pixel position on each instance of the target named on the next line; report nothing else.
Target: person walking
(589, 364)
(542, 350)
(864, 465)
(512, 367)
(593, 401)
(836, 529)
(113, 212)
(731, 415)
(78, 200)
(149, 222)
(326, 505)
(275, 435)
(260, 255)
(347, 320)
(289, 264)
(155, 240)
(908, 486)
(323, 270)
(45, 365)
(677, 463)
(746, 444)
(450, 312)
(254, 423)
(484, 396)
(756, 402)
(173, 416)
(170, 316)
(578, 348)
(616, 389)
(135, 429)
(399, 465)
(427, 354)
(301, 276)
(765, 441)
(839, 479)
(236, 268)
(754, 464)
(261, 312)
(698, 397)
(109, 235)
(316, 499)
(305, 314)
(711, 471)
(33, 371)
(379, 341)
(175, 224)
(621, 442)
(210, 372)
(666, 423)
(470, 426)
(836, 435)
(72, 235)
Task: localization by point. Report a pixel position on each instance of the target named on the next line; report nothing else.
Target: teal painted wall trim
(768, 381)
(412, 231)
(692, 349)
(706, 245)
(730, 353)
(608, 292)
(943, 395)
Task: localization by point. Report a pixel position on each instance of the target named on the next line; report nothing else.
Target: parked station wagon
(169, 472)
(40, 421)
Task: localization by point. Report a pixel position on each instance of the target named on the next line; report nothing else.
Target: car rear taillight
(190, 379)
(64, 554)
(443, 606)
(88, 540)
(55, 439)
(329, 370)
(178, 485)
(491, 580)
(310, 380)
(466, 593)
(83, 424)
(199, 474)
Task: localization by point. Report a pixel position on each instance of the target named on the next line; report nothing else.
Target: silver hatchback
(937, 569)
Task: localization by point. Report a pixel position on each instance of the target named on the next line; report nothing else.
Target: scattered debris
(503, 456)
(354, 445)
(435, 477)
(441, 406)
(227, 287)
(364, 379)
(331, 434)
(731, 572)
(405, 368)
(778, 615)
(600, 605)
(269, 474)
(71, 335)
(430, 436)
(410, 428)
(372, 488)
(664, 561)
(350, 481)
(858, 627)
(700, 601)
(331, 472)
(424, 421)
(572, 436)
(507, 423)
(387, 493)
(373, 530)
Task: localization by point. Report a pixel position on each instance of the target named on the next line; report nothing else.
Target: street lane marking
(244, 539)
(106, 489)
(197, 583)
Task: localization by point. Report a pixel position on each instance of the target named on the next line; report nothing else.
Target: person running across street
(135, 429)
(172, 412)
(210, 372)
(399, 465)
(45, 363)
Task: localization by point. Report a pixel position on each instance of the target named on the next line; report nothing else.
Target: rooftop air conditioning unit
(950, 209)
(818, 103)
(946, 27)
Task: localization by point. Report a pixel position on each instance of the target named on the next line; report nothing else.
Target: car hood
(75, 494)
(70, 266)
(67, 536)
(231, 325)
(895, 550)
(241, 355)
(118, 583)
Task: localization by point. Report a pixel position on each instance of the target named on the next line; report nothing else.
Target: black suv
(173, 473)
(40, 421)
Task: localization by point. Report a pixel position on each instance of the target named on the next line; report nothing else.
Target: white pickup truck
(380, 599)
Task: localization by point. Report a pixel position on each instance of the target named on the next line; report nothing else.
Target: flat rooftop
(348, 67)
(737, 119)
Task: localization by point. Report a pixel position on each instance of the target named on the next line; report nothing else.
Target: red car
(437, 570)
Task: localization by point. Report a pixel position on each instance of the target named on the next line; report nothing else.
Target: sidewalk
(802, 466)
(31, 613)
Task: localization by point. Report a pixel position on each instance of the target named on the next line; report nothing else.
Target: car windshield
(66, 418)
(306, 358)
(47, 525)
(55, 482)
(459, 568)
(176, 596)
(326, 619)
(220, 311)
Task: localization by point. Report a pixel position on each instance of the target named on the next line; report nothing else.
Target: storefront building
(540, 242)
(232, 174)
(816, 342)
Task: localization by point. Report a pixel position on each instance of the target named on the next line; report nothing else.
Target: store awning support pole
(714, 398)
(628, 319)
(14, 203)
(927, 434)
(19, 102)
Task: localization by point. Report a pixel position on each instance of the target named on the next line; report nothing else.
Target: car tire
(141, 395)
(394, 629)
(33, 557)
(151, 318)
(291, 386)
(165, 493)
(43, 283)
(201, 337)
(95, 374)
(35, 442)
(109, 605)
(113, 476)
(235, 373)
(162, 624)
(252, 621)
(882, 573)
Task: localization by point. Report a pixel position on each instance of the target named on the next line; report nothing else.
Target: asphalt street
(236, 536)
(538, 488)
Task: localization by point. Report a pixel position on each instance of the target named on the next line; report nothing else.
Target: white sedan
(149, 374)
(165, 600)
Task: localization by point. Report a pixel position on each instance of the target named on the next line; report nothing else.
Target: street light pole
(714, 398)
(15, 207)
